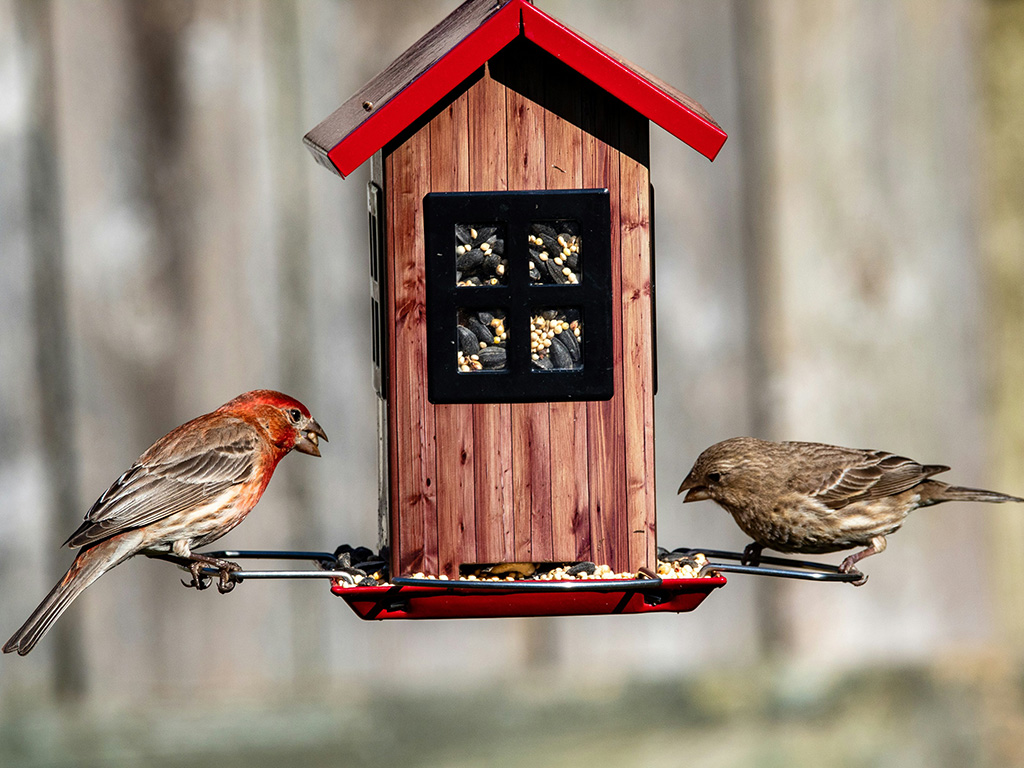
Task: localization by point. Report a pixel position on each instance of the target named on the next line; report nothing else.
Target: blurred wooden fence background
(849, 270)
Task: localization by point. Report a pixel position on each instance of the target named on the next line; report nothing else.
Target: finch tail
(959, 493)
(88, 566)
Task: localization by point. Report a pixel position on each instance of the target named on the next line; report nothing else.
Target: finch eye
(295, 414)
(714, 477)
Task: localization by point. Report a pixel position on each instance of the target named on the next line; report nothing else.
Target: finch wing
(183, 470)
(869, 475)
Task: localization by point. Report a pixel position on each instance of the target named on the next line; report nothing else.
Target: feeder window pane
(556, 339)
(501, 329)
(480, 255)
(556, 253)
(481, 340)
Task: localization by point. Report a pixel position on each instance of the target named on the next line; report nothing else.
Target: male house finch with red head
(813, 498)
(191, 487)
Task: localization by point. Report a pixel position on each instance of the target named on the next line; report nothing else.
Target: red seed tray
(409, 598)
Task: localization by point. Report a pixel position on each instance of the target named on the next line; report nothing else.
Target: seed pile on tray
(555, 251)
(479, 256)
(556, 342)
(373, 571)
(481, 341)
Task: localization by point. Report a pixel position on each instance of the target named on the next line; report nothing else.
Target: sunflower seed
(559, 355)
(469, 261)
(493, 357)
(468, 341)
(479, 329)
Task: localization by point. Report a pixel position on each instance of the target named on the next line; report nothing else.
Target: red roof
(461, 44)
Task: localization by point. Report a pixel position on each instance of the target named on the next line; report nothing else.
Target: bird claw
(848, 566)
(199, 579)
(227, 583)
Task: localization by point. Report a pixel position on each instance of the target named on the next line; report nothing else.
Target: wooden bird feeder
(512, 287)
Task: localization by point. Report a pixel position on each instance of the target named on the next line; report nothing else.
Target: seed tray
(410, 598)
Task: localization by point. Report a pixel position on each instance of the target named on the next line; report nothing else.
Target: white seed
(472, 233)
(460, 250)
(566, 271)
(558, 260)
(543, 256)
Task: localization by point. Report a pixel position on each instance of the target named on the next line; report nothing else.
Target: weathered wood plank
(568, 420)
(637, 367)
(605, 427)
(531, 444)
(456, 524)
(492, 422)
(416, 492)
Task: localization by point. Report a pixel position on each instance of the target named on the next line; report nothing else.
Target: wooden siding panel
(456, 524)
(568, 420)
(605, 428)
(492, 437)
(637, 368)
(414, 526)
(531, 443)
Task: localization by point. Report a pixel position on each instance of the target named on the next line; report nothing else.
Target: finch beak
(695, 492)
(309, 438)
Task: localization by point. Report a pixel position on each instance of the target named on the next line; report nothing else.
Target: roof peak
(463, 42)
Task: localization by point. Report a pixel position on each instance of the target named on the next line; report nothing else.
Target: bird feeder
(511, 247)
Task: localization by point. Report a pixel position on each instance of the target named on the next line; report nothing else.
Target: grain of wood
(531, 444)
(605, 438)
(456, 520)
(495, 526)
(636, 338)
(416, 492)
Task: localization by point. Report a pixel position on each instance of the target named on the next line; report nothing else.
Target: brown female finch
(191, 487)
(813, 498)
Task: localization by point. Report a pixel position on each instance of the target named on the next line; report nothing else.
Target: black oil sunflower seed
(544, 230)
(556, 272)
(559, 354)
(492, 357)
(571, 343)
(468, 341)
(584, 567)
(490, 263)
(483, 333)
(469, 261)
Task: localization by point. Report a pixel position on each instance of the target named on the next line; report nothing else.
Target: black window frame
(518, 297)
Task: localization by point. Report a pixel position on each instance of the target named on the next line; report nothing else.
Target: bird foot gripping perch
(201, 580)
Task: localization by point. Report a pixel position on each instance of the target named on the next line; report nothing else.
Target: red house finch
(191, 487)
(814, 498)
